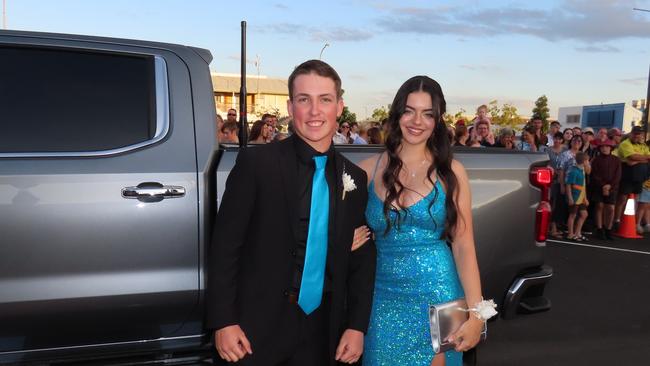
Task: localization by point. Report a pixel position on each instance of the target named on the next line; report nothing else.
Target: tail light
(542, 178)
(542, 220)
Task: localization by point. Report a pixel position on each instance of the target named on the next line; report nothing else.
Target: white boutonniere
(348, 184)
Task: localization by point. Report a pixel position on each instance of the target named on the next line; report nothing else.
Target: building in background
(619, 115)
(264, 94)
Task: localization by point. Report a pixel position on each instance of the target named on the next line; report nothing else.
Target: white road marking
(598, 246)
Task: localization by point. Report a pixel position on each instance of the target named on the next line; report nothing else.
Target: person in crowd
(271, 121)
(418, 193)
(601, 136)
(483, 134)
(567, 159)
(634, 155)
(231, 115)
(261, 133)
(482, 115)
(559, 208)
(568, 135)
(342, 136)
(587, 146)
(643, 216)
(603, 187)
(283, 286)
(615, 135)
(230, 133)
(540, 136)
(506, 139)
(219, 123)
(354, 131)
(577, 131)
(461, 135)
(384, 128)
(374, 136)
(362, 136)
(528, 141)
(577, 198)
(554, 128)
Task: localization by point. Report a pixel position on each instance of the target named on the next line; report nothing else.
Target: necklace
(413, 173)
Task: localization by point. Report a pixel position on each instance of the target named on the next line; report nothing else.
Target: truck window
(63, 100)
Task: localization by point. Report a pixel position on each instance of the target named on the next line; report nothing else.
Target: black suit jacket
(251, 258)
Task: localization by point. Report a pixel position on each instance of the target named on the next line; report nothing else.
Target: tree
(451, 120)
(509, 117)
(378, 114)
(541, 109)
(347, 116)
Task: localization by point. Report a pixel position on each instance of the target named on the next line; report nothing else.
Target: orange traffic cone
(627, 229)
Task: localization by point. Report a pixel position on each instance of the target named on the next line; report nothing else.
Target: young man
(577, 198)
(634, 155)
(230, 132)
(284, 287)
(231, 116)
(554, 128)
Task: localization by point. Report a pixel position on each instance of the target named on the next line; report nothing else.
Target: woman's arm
(465, 258)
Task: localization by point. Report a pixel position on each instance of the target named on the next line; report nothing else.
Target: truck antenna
(243, 120)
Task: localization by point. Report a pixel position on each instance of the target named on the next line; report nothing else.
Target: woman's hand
(361, 236)
(468, 335)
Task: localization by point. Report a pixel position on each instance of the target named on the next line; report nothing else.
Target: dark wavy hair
(438, 146)
(256, 130)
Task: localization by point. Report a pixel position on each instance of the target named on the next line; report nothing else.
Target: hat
(607, 142)
(637, 129)
(588, 130)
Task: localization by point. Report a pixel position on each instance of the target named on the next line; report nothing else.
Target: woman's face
(558, 141)
(266, 130)
(417, 122)
(568, 134)
(576, 142)
(527, 136)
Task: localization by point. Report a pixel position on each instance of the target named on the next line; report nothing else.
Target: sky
(576, 52)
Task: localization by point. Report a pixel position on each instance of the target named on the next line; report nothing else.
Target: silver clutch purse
(444, 320)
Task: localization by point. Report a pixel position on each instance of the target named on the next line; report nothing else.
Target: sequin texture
(415, 269)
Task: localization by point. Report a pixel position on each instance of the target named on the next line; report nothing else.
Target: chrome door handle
(152, 192)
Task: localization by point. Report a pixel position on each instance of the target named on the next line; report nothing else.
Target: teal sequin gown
(415, 269)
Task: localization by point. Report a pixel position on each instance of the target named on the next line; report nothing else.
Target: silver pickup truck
(110, 178)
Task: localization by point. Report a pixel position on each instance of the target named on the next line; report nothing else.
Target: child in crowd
(604, 180)
(577, 198)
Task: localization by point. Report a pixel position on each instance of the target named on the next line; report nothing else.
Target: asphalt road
(600, 313)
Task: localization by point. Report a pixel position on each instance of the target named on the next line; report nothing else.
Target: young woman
(261, 133)
(418, 201)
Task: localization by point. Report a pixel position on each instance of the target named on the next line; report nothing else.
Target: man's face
(537, 123)
(482, 130)
(637, 138)
(554, 128)
(232, 115)
(587, 137)
(602, 134)
(506, 140)
(314, 108)
(577, 131)
(229, 136)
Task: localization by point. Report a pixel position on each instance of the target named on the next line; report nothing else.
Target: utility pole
(644, 121)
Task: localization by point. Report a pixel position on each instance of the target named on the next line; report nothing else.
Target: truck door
(98, 194)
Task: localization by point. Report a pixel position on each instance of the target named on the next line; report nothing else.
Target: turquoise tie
(313, 274)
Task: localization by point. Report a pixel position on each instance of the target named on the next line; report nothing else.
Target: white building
(620, 115)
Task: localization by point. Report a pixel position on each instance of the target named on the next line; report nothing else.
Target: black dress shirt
(306, 168)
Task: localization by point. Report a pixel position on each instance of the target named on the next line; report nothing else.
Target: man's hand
(231, 343)
(350, 347)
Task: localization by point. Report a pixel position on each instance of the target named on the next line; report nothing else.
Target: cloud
(339, 34)
(483, 68)
(582, 20)
(635, 81)
(599, 49)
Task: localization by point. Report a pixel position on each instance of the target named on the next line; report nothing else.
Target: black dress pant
(300, 340)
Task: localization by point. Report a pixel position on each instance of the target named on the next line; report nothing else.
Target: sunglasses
(232, 114)
(345, 126)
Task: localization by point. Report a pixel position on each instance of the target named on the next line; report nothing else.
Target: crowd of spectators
(594, 173)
